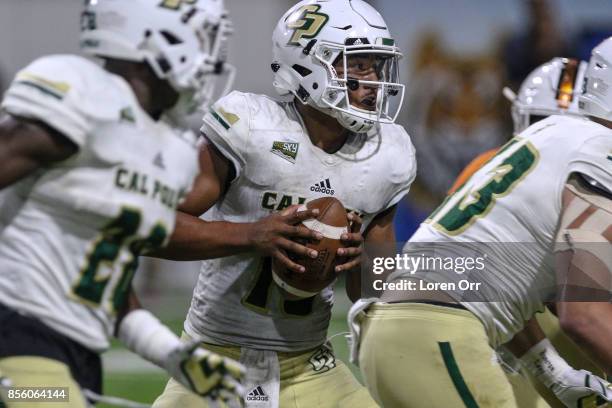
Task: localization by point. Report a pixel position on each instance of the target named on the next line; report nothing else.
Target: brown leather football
(331, 222)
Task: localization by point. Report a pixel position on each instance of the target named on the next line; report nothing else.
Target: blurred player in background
(335, 136)
(93, 173)
(551, 187)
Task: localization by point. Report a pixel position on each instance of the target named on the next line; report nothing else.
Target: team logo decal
(176, 4)
(308, 25)
(286, 150)
(323, 359)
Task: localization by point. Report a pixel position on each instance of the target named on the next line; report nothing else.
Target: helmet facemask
(367, 72)
(194, 75)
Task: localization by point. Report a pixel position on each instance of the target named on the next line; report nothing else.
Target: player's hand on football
(353, 244)
(206, 373)
(582, 389)
(279, 234)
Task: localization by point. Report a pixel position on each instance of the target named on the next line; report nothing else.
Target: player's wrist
(143, 333)
(544, 363)
(250, 236)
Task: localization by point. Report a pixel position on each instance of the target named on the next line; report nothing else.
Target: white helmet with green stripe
(313, 36)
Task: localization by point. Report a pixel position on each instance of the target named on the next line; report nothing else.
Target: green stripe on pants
(455, 374)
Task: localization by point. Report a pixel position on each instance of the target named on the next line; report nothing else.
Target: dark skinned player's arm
(132, 303)
(381, 234)
(196, 239)
(525, 339)
(26, 146)
(193, 238)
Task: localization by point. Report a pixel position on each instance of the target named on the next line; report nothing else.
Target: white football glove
(204, 372)
(201, 371)
(582, 389)
(574, 388)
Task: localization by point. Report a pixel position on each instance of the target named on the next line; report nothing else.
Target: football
(331, 222)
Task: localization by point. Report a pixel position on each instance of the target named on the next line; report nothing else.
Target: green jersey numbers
(258, 298)
(308, 25)
(119, 233)
(176, 4)
(477, 197)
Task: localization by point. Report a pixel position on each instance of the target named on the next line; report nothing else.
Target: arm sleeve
(226, 125)
(48, 90)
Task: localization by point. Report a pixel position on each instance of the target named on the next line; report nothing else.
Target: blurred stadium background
(458, 56)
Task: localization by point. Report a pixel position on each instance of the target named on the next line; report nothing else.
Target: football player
(93, 174)
(550, 89)
(541, 212)
(334, 135)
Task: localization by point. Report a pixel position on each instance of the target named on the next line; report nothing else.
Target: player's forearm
(589, 325)
(525, 339)
(132, 303)
(196, 239)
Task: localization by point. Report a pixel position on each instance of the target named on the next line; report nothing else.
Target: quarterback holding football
(333, 134)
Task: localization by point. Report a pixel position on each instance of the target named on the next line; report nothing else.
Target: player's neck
(154, 95)
(324, 131)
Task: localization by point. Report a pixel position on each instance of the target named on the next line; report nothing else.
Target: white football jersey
(235, 300)
(509, 210)
(70, 235)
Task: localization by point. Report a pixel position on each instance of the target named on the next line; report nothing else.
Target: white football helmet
(597, 97)
(310, 38)
(550, 89)
(184, 41)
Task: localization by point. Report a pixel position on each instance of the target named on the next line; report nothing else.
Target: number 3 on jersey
(477, 197)
(119, 232)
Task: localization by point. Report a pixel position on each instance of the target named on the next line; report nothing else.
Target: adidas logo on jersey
(323, 187)
(257, 394)
(158, 161)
